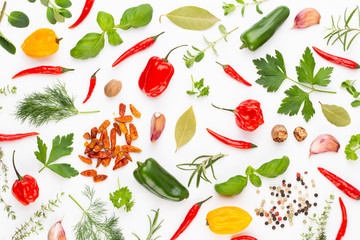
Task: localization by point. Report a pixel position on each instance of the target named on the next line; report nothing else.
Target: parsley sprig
(272, 73)
(349, 86)
(122, 198)
(199, 86)
(352, 147)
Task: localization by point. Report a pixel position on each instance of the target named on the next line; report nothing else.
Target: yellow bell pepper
(41, 43)
(228, 220)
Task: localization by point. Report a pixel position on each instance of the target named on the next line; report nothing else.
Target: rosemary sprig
(200, 168)
(228, 7)
(5, 187)
(7, 90)
(34, 224)
(53, 105)
(93, 225)
(190, 59)
(153, 226)
(343, 33)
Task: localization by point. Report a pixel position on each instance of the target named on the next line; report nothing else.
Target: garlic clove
(157, 126)
(324, 143)
(57, 232)
(307, 18)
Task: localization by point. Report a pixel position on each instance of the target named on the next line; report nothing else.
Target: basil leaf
(6, 44)
(274, 168)
(249, 170)
(18, 19)
(63, 3)
(114, 38)
(45, 2)
(355, 103)
(32, 1)
(231, 187)
(63, 169)
(105, 21)
(58, 17)
(136, 17)
(89, 46)
(255, 180)
(50, 15)
(65, 13)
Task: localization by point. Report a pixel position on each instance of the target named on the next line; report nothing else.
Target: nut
(279, 133)
(112, 88)
(300, 134)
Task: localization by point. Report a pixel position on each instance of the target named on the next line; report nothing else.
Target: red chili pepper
(13, 137)
(188, 218)
(92, 86)
(244, 237)
(248, 115)
(337, 60)
(43, 70)
(233, 74)
(343, 226)
(87, 7)
(25, 189)
(344, 186)
(144, 44)
(233, 143)
(156, 76)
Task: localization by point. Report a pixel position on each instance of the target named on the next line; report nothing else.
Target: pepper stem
(226, 109)
(243, 46)
(223, 65)
(17, 173)
(166, 58)
(201, 203)
(94, 75)
(140, 164)
(58, 40)
(156, 36)
(66, 69)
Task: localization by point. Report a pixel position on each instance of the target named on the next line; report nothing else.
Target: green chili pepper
(262, 31)
(159, 181)
(274, 168)
(231, 187)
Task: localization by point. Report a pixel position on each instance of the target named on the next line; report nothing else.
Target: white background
(224, 91)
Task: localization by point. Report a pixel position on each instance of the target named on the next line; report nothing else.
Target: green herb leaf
(122, 198)
(18, 19)
(58, 17)
(63, 169)
(191, 92)
(41, 154)
(240, 1)
(114, 38)
(45, 2)
(136, 17)
(228, 8)
(336, 115)
(6, 44)
(89, 46)
(355, 103)
(233, 186)
(192, 18)
(274, 168)
(32, 1)
(61, 147)
(50, 15)
(352, 147)
(105, 21)
(258, 9)
(222, 29)
(63, 3)
(255, 180)
(249, 170)
(65, 13)
(185, 128)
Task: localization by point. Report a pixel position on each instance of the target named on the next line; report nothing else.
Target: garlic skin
(324, 143)
(307, 18)
(157, 126)
(57, 232)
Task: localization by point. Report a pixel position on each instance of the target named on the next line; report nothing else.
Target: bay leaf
(185, 128)
(192, 18)
(336, 115)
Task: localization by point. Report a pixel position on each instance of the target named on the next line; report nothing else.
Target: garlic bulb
(157, 126)
(57, 232)
(307, 18)
(324, 143)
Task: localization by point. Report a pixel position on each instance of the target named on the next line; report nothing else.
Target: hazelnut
(300, 134)
(279, 133)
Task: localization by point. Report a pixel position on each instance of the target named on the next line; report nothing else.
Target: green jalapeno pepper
(263, 30)
(159, 181)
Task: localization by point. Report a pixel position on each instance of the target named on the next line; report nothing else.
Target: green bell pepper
(263, 30)
(159, 181)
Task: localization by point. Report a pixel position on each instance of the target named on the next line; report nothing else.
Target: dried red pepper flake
(105, 162)
(127, 155)
(89, 173)
(117, 128)
(100, 178)
(128, 139)
(85, 159)
(122, 109)
(133, 131)
(94, 131)
(124, 119)
(130, 148)
(104, 125)
(123, 128)
(134, 111)
(87, 136)
(113, 138)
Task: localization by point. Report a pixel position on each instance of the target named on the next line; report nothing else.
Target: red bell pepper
(156, 76)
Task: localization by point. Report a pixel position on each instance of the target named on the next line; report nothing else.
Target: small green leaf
(274, 168)
(258, 9)
(240, 1)
(63, 169)
(255, 180)
(249, 170)
(41, 154)
(185, 128)
(61, 147)
(6, 44)
(105, 21)
(228, 8)
(243, 11)
(32, 1)
(232, 186)
(63, 3)
(18, 19)
(89, 46)
(65, 13)
(45, 2)
(355, 103)
(336, 115)
(136, 17)
(352, 147)
(222, 29)
(200, 56)
(58, 17)
(50, 15)
(114, 38)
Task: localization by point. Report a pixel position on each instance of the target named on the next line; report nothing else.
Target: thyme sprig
(53, 105)
(229, 7)
(5, 187)
(7, 90)
(93, 225)
(199, 169)
(34, 224)
(153, 226)
(343, 33)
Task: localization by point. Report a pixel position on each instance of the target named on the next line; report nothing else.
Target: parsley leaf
(125, 197)
(60, 147)
(352, 147)
(202, 91)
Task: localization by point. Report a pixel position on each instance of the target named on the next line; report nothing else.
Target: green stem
(311, 88)
(213, 43)
(252, 3)
(77, 203)
(226, 109)
(2, 11)
(42, 169)
(90, 112)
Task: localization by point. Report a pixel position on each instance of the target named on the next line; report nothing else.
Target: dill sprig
(53, 105)
(153, 226)
(229, 7)
(7, 90)
(93, 225)
(5, 187)
(345, 32)
(34, 224)
(200, 168)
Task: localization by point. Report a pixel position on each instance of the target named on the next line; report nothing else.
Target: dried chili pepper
(337, 60)
(116, 151)
(106, 140)
(106, 161)
(117, 128)
(244, 237)
(98, 162)
(87, 136)
(128, 138)
(123, 127)
(100, 155)
(119, 157)
(230, 142)
(133, 132)
(91, 86)
(134, 111)
(124, 119)
(121, 163)
(97, 148)
(130, 148)
(94, 131)
(233, 74)
(17, 136)
(144, 44)
(104, 125)
(122, 109)
(85, 159)
(113, 138)
(87, 7)
(55, 70)
(189, 218)
(343, 226)
(89, 173)
(344, 186)
(127, 155)
(25, 189)
(100, 178)
(248, 115)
